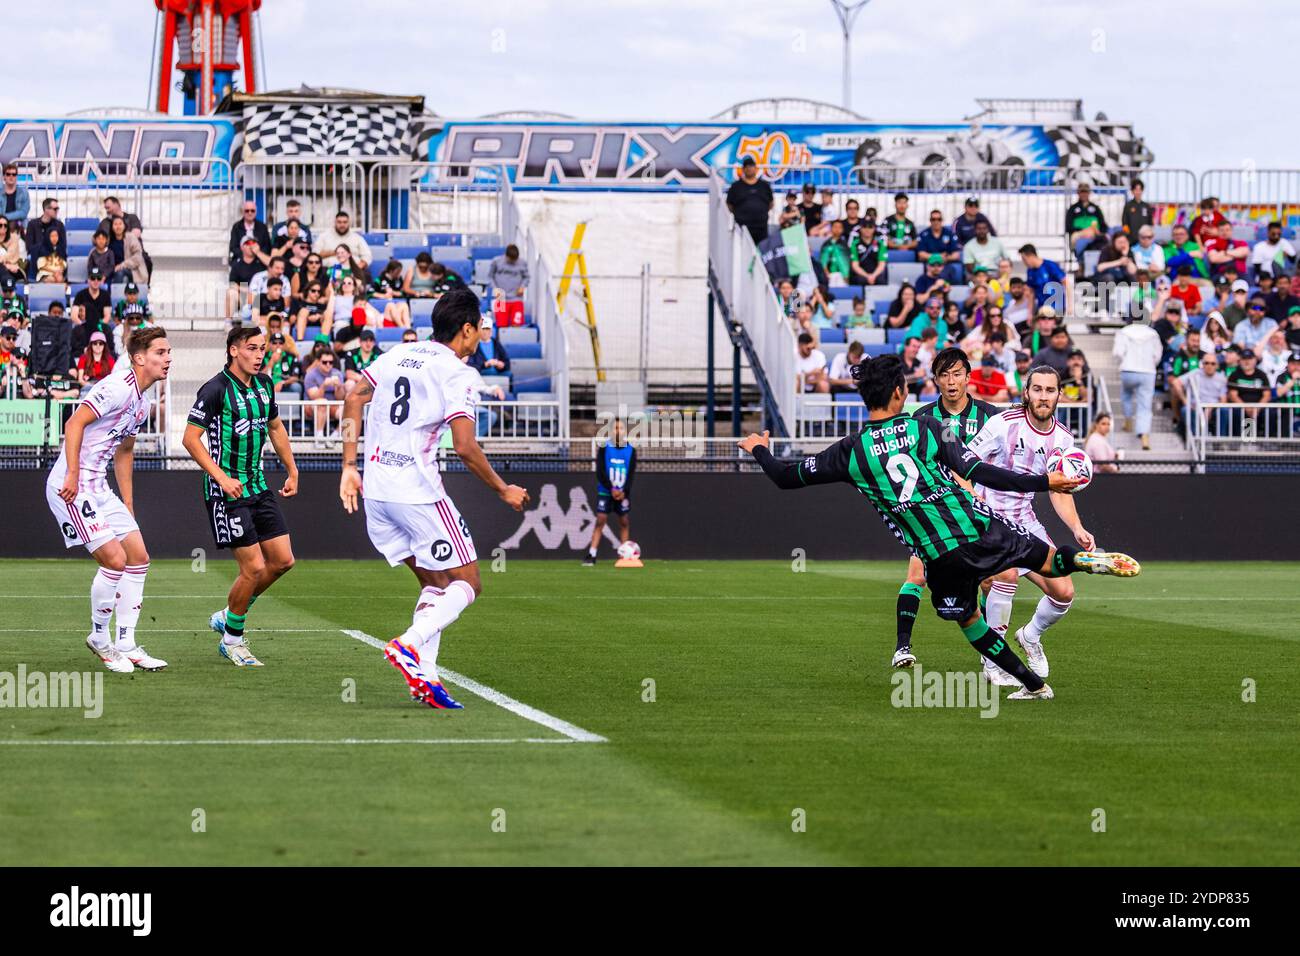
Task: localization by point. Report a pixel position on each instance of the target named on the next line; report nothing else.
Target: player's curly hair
(878, 379)
(453, 311)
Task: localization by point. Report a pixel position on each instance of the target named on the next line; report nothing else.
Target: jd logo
(441, 550)
(557, 527)
(68, 530)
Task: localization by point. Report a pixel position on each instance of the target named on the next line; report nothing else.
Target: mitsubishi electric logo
(75, 908)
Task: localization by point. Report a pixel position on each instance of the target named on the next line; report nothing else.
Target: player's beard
(1042, 423)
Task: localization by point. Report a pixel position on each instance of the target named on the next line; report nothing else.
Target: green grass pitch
(772, 695)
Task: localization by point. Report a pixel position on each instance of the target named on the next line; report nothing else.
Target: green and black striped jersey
(967, 423)
(236, 417)
(904, 466)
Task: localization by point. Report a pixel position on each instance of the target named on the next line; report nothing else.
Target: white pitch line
(347, 741)
(183, 630)
(569, 730)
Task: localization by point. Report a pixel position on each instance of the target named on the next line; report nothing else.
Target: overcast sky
(1189, 75)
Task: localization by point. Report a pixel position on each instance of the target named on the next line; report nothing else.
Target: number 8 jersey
(420, 388)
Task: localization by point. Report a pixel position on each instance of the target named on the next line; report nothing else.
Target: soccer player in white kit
(100, 431)
(1020, 439)
(416, 391)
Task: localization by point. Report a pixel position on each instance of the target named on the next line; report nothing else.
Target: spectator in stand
(296, 261)
(130, 262)
(939, 240)
(931, 318)
(93, 304)
(1273, 357)
(131, 313)
(361, 358)
(1186, 291)
(101, 256)
(1185, 251)
(835, 256)
(952, 320)
(1000, 285)
(271, 301)
(12, 360)
(491, 357)
(273, 274)
(13, 251)
(1147, 254)
(1186, 359)
(38, 230)
(508, 275)
(409, 335)
(1074, 383)
(292, 213)
(933, 281)
(1206, 225)
(858, 316)
(388, 284)
(249, 227)
(811, 210)
(1247, 385)
(988, 382)
(851, 221)
(346, 265)
(1273, 255)
(1137, 213)
(1224, 252)
(242, 272)
(975, 309)
(1044, 277)
(1139, 351)
(904, 309)
(113, 210)
(315, 310)
(324, 383)
(900, 232)
(916, 363)
(1084, 222)
(280, 323)
(1057, 352)
(283, 367)
(996, 346)
(841, 373)
(282, 247)
(1286, 391)
(1036, 338)
(312, 271)
(95, 362)
(1284, 297)
(14, 196)
(420, 280)
(810, 365)
(963, 227)
(1291, 328)
(788, 297)
(50, 266)
(985, 249)
(1117, 263)
(342, 234)
(1257, 327)
(1098, 446)
(750, 200)
(1231, 358)
(1016, 381)
(870, 257)
(1170, 322)
(1215, 334)
(977, 342)
(1018, 310)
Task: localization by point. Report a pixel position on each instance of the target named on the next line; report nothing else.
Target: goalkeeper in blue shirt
(615, 466)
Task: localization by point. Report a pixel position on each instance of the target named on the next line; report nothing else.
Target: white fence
(1239, 428)
(317, 420)
(435, 197)
(821, 416)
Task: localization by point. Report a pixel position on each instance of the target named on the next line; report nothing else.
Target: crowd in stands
(1205, 292)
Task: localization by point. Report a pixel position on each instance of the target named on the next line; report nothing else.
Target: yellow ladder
(577, 260)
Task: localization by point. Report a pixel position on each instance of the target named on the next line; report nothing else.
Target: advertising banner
(117, 149)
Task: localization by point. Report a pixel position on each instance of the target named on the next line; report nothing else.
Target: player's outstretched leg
(994, 647)
(443, 596)
(1105, 562)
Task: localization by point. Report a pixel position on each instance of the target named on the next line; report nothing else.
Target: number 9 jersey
(420, 389)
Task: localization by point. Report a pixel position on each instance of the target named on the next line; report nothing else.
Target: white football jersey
(1010, 441)
(420, 388)
(120, 409)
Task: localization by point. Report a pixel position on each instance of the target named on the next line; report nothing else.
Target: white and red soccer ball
(629, 550)
(1073, 463)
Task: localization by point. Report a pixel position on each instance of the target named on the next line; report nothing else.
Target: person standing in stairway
(1138, 350)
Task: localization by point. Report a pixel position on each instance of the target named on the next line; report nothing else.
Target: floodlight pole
(848, 13)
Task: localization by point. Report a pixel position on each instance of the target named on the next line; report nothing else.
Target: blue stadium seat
(388, 336)
(462, 267)
(528, 386)
(832, 335)
(524, 350)
(407, 252)
(875, 350)
(78, 269)
(909, 272)
(902, 255)
(849, 398)
(81, 237)
(845, 291)
(421, 312)
(76, 287)
(79, 250)
(959, 294)
(486, 252)
(446, 239)
(880, 311)
(41, 294)
(896, 336)
(375, 238)
(81, 222)
(513, 335)
(1196, 321)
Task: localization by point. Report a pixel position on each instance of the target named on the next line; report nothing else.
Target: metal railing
(318, 420)
(436, 197)
(323, 186)
(820, 415)
(1254, 194)
(540, 301)
(1238, 428)
(186, 194)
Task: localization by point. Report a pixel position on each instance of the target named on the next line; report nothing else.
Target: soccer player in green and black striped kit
(962, 415)
(233, 416)
(907, 468)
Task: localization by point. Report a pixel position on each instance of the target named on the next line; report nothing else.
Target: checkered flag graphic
(1099, 150)
(325, 129)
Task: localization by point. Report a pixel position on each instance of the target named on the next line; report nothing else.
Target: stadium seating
(78, 269)
(486, 252)
(867, 336)
(832, 335)
(41, 294)
(446, 239)
(407, 252)
(421, 312)
(516, 335)
(524, 350)
(896, 336)
(82, 223)
(909, 272)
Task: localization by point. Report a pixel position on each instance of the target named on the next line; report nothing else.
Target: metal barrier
(819, 415)
(1255, 194)
(541, 302)
(1238, 428)
(321, 184)
(186, 194)
(317, 420)
(80, 186)
(787, 176)
(435, 197)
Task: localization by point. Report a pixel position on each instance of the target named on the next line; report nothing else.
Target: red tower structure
(205, 41)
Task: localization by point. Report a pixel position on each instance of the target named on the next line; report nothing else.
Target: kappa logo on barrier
(556, 526)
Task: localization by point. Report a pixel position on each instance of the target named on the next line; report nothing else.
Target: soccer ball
(629, 550)
(1073, 463)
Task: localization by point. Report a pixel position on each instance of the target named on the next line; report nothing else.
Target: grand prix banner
(679, 157)
(98, 149)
